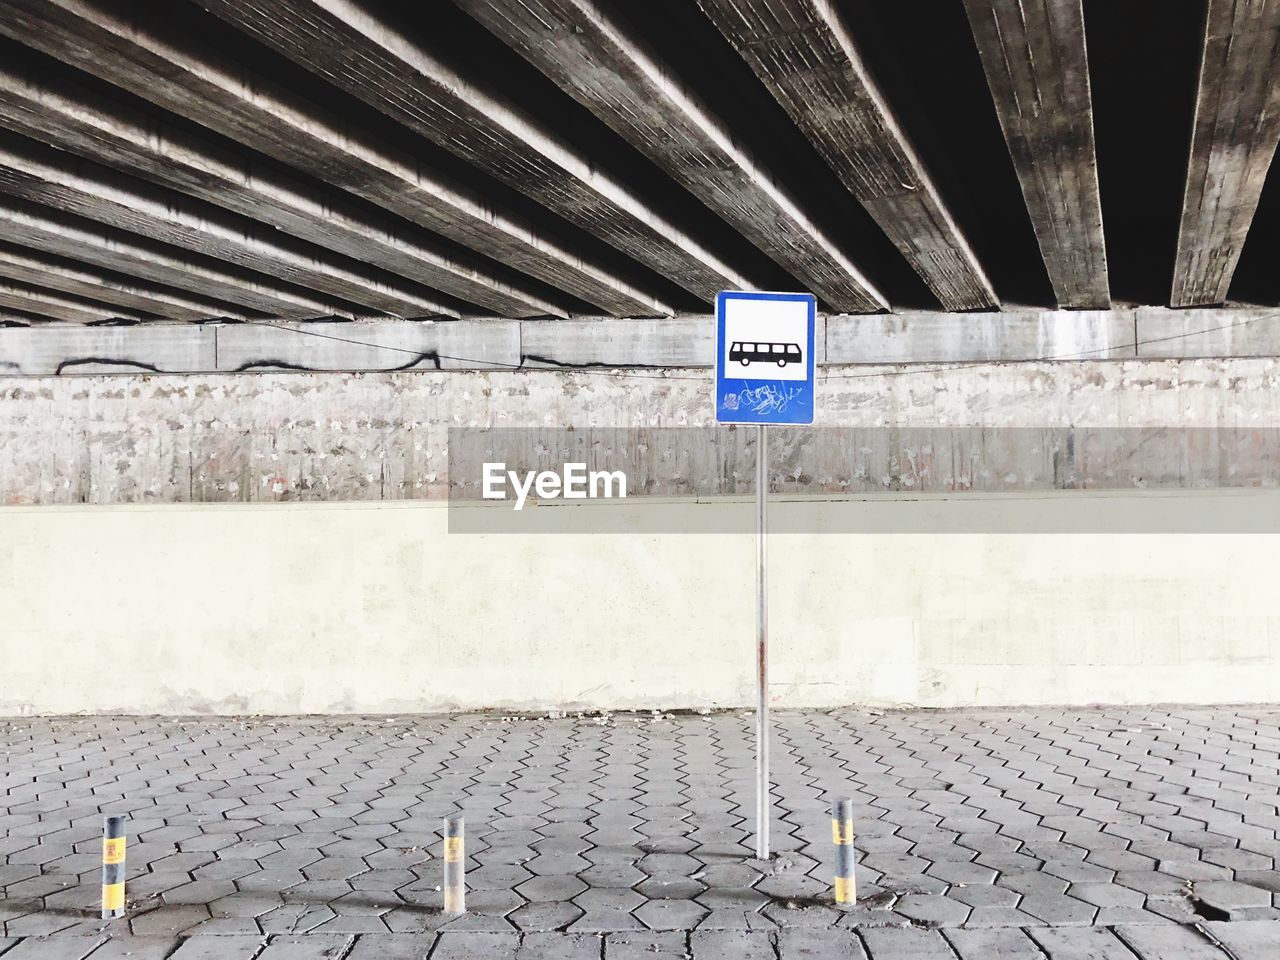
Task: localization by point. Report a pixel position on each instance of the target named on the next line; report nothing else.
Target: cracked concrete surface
(1065, 834)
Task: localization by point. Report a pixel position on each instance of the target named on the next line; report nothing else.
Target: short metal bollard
(455, 882)
(842, 835)
(113, 841)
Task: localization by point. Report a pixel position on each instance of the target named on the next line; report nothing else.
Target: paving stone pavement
(981, 835)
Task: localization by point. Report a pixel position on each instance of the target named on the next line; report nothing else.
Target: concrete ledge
(1208, 333)
(677, 342)
(420, 345)
(686, 341)
(57, 349)
(928, 337)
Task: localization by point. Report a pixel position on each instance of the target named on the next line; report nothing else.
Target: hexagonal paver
(551, 888)
(670, 914)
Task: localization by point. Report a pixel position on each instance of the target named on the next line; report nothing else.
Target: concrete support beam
(1033, 52)
(34, 226)
(75, 119)
(584, 48)
(687, 341)
(105, 287)
(916, 337)
(177, 72)
(448, 345)
(1192, 334)
(60, 306)
(155, 348)
(346, 43)
(577, 344)
(58, 180)
(926, 337)
(1233, 141)
(805, 54)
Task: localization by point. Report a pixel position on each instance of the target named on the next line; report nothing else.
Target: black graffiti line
(106, 361)
(586, 364)
(302, 368)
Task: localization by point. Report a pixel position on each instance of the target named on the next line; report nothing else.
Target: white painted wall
(375, 607)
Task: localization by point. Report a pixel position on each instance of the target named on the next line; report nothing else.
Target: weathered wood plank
(805, 54)
(63, 182)
(42, 229)
(594, 58)
(66, 276)
(166, 66)
(60, 306)
(144, 144)
(347, 44)
(1033, 52)
(1233, 141)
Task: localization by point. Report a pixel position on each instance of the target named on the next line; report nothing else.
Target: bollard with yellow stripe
(113, 841)
(455, 887)
(842, 835)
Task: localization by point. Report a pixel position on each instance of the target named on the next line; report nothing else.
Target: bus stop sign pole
(762, 648)
(764, 374)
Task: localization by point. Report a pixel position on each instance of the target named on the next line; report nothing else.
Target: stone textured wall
(148, 538)
(274, 437)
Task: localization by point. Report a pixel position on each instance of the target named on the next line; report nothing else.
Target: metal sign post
(762, 646)
(764, 374)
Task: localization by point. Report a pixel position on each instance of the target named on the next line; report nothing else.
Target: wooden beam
(1233, 141)
(144, 144)
(1033, 52)
(164, 65)
(63, 182)
(61, 306)
(349, 45)
(803, 51)
(589, 54)
(40, 228)
(80, 280)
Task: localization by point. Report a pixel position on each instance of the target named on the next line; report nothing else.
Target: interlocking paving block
(545, 916)
(906, 943)
(647, 945)
(136, 948)
(559, 946)
(1227, 894)
(670, 914)
(932, 910)
(1008, 944)
(53, 948)
(315, 946)
(730, 945)
(169, 920)
(1160, 942)
(1058, 910)
(1088, 943)
(1248, 939)
(815, 944)
(475, 946)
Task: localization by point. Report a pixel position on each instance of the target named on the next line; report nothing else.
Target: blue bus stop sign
(764, 357)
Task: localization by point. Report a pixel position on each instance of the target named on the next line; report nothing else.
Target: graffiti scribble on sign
(766, 398)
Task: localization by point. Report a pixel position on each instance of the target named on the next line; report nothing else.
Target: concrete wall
(151, 559)
(384, 436)
(376, 608)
